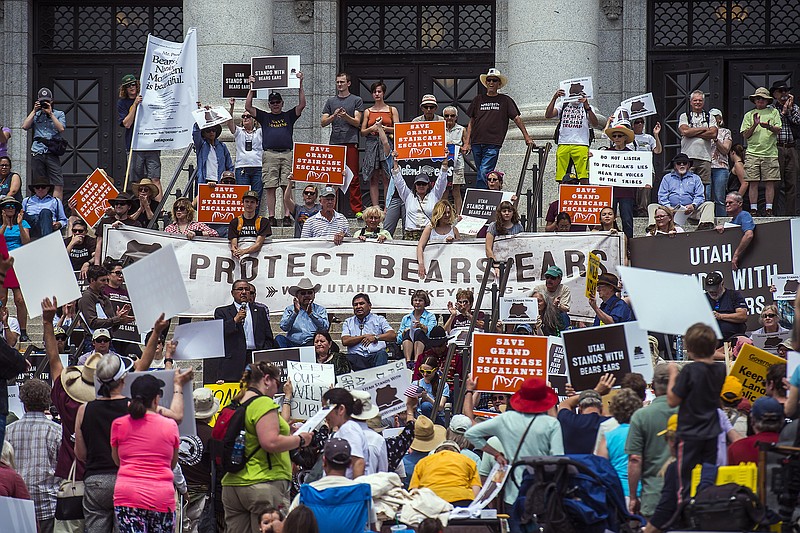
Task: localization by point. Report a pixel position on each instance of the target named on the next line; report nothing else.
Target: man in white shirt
(328, 222)
(575, 122)
(698, 130)
(365, 335)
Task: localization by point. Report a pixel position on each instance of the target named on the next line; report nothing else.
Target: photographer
(48, 124)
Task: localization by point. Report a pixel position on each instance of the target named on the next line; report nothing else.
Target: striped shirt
(791, 117)
(36, 440)
(319, 227)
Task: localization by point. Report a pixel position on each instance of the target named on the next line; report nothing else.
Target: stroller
(571, 494)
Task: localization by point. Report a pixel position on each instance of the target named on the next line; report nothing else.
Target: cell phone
(248, 145)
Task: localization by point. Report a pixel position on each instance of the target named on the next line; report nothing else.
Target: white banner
(169, 94)
(621, 169)
(387, 272)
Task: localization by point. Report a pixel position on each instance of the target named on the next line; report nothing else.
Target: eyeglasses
(118, 273)
(427, 372)
(247, 116)
(449, 116)
(492, 80)
(429, 107)
(242, 289)
(305, 293)
(463, 302)
(769, 315)
(37, 187)
(662, 216)
(310, 193)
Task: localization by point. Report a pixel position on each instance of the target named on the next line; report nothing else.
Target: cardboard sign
(617, 349)
(769, 341)
(206, 118)
(639, 106)
(309, 383)
(785, 286)
(478, 209)
(576, 89)
(199, 340)
(219, 204)
(584, 202)
(751, 368)
(621, 169)
(90, 201)
(592, 274)
(18, 515)
(319, 163)
(225, 393)
(235, 80)
(275, 72)
(501, 363)
(388, 393)
(420, 140)
(514, 310)
(356, 380)
(280, 357)
(187, 425)
(124, 332)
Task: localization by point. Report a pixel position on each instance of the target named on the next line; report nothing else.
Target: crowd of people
(140, 473)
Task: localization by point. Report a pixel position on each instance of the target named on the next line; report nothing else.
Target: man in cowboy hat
(143, 162)
(760, 128)
(786, 198)
(42, 211)
(683, 191)
(378, 460)
(147, 200)
(428, 107)
(121, 206)
(488, 124)
(303, 318)
(575, 123)
(47, 123)
(246, 328)
(612, 310)
(698, 130)
(729, 306)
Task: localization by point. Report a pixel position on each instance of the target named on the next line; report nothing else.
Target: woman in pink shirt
(145, 446)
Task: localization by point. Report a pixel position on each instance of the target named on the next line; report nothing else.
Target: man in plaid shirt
(36, 440)
(787, 153)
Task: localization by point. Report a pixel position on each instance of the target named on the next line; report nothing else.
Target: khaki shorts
(761, 168)
(276, 168)
(703, 169)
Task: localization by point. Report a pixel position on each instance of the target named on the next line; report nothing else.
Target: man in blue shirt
(46, 122)
(303, 318)
(684, 192)
(365, 335)
(613, 310)
(44, 213)
(743, 219)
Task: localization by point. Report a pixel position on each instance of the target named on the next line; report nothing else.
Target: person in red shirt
(767, 419)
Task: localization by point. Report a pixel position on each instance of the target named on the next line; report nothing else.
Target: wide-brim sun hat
(206, 404)
(427, 435)
(534, 396)
(495, 73)
(621, 127)
(304, 285)
(369, 410)
(78, 381)
(761, 92)
(147, 182)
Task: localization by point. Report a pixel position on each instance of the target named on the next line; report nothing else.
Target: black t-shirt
(80, 253)
(579, 431)
(248, 232)
(110, 219)
(142, 218)
(728, 304)
(699, 386)
(200, 474)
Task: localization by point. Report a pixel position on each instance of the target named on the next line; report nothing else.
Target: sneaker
(768, 213)
(287, 221)
(273, 223)
(24, 337)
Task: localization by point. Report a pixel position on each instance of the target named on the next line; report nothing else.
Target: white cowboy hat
(496, 73)
(304, 285)
(78, 381)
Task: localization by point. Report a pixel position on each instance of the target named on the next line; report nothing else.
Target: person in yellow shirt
(452, 476)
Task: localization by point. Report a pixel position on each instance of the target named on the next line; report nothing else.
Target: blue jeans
(625, 206)
(485, 156)
(362, 362)
(283, 342)
(250, 176)
(719, 188)
(41, 223)
(426, 408)
(2, 427)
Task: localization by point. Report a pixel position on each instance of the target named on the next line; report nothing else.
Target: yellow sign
(224, 393)
(592, 273)
(751, 368)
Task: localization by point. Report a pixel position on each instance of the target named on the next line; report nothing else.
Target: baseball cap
(422, 178)
(250, 194)
(100, 332)
(146, 387)
(672, 425)
(767, 407)
(59, 331)
(713, 279)
(715, 112)
(45, 94)
(228, 175)
(460, 424)
(554, 271)
(590, 397)
(731, 389)
(429, 99)
(337, 452)
(128, 79)
(328, 191)
(275, 96)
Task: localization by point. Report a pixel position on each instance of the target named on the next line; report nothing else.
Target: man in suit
(246, 328)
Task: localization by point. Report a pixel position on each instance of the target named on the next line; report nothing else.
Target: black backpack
(728, 507)
(229, 424)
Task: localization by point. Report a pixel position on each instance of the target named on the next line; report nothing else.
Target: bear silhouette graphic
(518, 310)
(638, 107)
(637, 350)
(790, 287)
(772, 342)
(576, 89)
(386, 397)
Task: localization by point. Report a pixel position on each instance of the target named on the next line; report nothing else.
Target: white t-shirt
(353, 434)
(378, 455)
(695, 147)
(644, 141)
(574, 123)
(13, 325)
(248, 158)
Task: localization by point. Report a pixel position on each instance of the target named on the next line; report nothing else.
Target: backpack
(229, 424)
(55, 145)
(240, 224)
(728, 507)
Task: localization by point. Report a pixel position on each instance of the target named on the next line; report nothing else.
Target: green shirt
(643, 440)
(763, 142)
(257, 469)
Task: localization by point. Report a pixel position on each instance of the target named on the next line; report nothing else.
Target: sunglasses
(9, 206)
(278, 102)
(429, 107)
(492, 80)
(617, 135)
(37, 187)
(102, 339)
(548, 276)
(247, 116)
(310, 193)
(449, 116)
(769, 315)
(78, 231)
(682, 163)
(497, 398)
(427, 372)
(181, 208)
(491, 180)
(305, 293)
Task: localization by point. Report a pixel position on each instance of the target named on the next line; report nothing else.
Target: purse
(69, 498)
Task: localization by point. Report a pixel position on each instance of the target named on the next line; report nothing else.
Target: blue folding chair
(339, 509)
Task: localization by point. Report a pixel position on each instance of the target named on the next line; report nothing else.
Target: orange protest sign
(420, 140)
(319, 163)
(584, 202)
(500, 363)
(90, 201)
(219, 204)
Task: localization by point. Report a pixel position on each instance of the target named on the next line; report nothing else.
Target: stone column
(18, 94)
(548, 41)
(227, 32)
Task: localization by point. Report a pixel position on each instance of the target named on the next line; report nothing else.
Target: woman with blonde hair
(183, 221)
(441, 229)
(373, 216)
(665, 222)
(770, 319)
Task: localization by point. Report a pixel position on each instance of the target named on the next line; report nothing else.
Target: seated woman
(506, 223)
(428, 386)
(665, 222)
(461, 312)
(183, 221)
(770, 321)
(608, 221)
(415, 326)
(327, 352)
(551, 320)
(441, 229)
(452, 476)
(373, 216)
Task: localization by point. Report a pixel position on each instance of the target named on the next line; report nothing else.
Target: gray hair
(736, 196)
(697, 92)
(450, 108)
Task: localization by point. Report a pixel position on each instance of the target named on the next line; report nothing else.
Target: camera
(44, 104)
(248, 145)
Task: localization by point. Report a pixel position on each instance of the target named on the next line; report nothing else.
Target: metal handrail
(173, 180)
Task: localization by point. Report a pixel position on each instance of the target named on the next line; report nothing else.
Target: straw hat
(761, 92)
(427, 435)
(493, 72)
(147, 182)
(78, 381)
(304, 285)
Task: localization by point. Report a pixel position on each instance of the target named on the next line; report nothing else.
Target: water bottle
(237, 456)
(679, 348)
